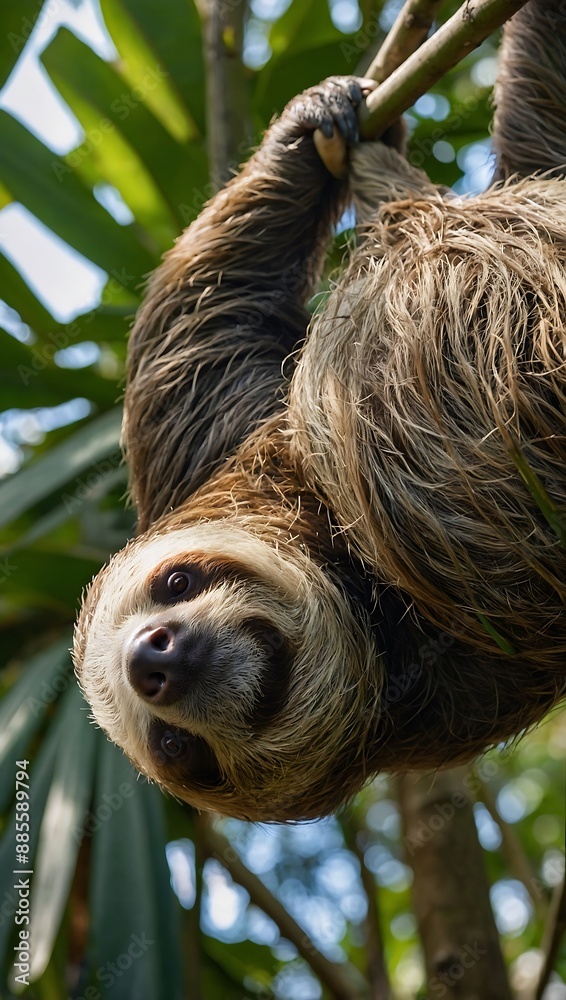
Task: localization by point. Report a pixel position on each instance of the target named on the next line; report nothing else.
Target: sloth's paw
(331, 107)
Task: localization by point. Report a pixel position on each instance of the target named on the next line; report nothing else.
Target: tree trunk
(450, 889)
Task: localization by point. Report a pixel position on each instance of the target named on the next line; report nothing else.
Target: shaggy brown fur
(327, 571)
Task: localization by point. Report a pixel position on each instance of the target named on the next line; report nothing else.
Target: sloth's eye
(172, 744)
(178, 584)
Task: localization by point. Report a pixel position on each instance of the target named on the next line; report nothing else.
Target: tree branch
(469, 26)
(409, 31)
(377, 969)
(191, 932)
(517, 859)
(227, 101)
(343, 981)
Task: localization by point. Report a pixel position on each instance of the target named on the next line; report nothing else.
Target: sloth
(348, 555)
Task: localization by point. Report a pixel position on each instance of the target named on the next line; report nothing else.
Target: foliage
(103, 913)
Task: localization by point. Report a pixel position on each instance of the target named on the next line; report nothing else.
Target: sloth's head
(229, 669)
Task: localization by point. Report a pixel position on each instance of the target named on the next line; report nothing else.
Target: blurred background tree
(109, 146)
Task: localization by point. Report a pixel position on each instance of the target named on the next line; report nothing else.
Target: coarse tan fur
(366, 528)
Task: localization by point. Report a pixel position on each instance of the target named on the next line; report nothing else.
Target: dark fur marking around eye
(182, 757)
(162, 582)
(201, 572)
(276, 675)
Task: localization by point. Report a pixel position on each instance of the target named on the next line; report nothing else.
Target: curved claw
(333, 152)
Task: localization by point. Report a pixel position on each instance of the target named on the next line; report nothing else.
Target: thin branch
(227, 101)
(552, 938)
(377, 969)
(467, 29)
(409, 31)
(344, 982)
(517, 859)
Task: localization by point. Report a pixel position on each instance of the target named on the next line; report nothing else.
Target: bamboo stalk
(462, 33)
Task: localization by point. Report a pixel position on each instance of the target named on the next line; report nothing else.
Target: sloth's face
(213, 662)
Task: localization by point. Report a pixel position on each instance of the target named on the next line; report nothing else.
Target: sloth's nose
(154, 660)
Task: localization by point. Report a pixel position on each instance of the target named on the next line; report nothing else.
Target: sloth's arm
(228, 305)
(530, 94)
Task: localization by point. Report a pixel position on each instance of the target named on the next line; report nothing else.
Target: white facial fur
(125, 605)
(331, 675)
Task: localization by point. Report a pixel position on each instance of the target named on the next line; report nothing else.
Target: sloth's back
(429, 410)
